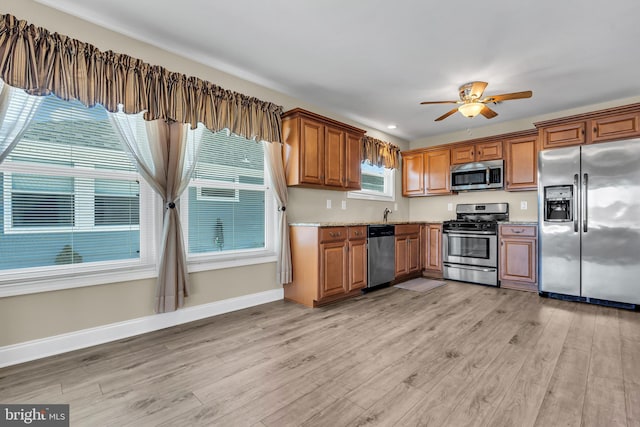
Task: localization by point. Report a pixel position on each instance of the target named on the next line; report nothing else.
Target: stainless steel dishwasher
(381, 256)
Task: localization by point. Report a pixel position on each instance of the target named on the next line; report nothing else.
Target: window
(71, 198)
(378, 183)
(228, 209)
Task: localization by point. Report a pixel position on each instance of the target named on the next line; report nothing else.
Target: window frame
(240, 257)
(389, 194)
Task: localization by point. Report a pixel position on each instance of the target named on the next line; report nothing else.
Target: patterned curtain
(380, 153)
(41, 62)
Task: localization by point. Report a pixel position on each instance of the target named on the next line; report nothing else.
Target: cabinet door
(311, 152)
(521, 163)
(437, 171)
(464, 154)
(333, 269)
(334, 157)
(518, 259)
(412, 174)
(401, 256)
(489, 151)
(357, 264)
(434, 247)
(353, 162)
(563, 135)
(413, 248)
(616, 127)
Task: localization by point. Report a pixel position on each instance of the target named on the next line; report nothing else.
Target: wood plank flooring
(458, 355)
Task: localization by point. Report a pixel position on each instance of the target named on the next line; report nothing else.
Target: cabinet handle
(479, 152)
(471, 152)
(595, 129)
(518, 231)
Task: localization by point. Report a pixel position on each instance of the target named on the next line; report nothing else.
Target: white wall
(35, 316)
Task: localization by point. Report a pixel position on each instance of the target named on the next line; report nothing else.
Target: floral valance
(41, 62)
(380, 153)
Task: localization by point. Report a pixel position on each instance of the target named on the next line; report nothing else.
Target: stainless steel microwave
(477, 176)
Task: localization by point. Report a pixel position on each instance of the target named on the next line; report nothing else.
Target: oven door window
(471, 249)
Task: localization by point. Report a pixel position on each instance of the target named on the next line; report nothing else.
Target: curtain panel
(41, 62)
(380, 153)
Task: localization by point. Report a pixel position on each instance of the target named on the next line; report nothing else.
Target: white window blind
(227, 207)
(71, 197)
(377, 183)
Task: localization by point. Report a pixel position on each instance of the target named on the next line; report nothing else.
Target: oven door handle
(469, 267)
(462, 233)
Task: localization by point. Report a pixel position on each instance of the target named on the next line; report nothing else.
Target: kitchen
(41, 316)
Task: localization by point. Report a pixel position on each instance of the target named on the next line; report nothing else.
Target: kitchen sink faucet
(387, 211)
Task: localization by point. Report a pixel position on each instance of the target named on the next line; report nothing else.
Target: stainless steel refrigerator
(589, 221)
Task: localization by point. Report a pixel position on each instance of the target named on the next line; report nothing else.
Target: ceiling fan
(472, 103)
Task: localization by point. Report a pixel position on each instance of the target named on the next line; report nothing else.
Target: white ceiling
(373, 61)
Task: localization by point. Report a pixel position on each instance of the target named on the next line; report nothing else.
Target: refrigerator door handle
(585, 188)
(576, 197)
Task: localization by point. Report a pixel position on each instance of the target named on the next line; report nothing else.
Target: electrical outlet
(328, 203)
(344, 204)
(395, 207)
(449, 206)
(523, 205)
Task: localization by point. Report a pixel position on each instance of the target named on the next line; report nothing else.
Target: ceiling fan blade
(445, 115)
(477, 89)
(439, 102)
(488, 112)
(507, 96)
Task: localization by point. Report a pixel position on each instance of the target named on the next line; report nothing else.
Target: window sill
(229, 260)
(368, 196)
(68, 281)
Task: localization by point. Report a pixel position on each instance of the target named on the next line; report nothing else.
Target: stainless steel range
(470, 243)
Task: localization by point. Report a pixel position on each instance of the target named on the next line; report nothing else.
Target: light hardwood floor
(458, 355)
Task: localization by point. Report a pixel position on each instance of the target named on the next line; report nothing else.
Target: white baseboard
(40, 348)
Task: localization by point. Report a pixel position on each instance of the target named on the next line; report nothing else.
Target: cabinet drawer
(332, 234)
(358, 232)
(404, 229)
(518, 230)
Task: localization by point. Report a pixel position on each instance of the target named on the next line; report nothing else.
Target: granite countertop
(519, 222)
(355, 223)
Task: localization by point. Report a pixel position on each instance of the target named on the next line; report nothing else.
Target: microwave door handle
(576, 197)
(585, 190)
(488, 176)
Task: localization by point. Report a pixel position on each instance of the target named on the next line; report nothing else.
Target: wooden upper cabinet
(334, 157)
(320, 152)
(463, 154)
(311, 152)
(353, 171)
(491, 150)
(521, 164)
(588, 128)
(563, 135)
(413, 174)
(437, 173)
(615, 127)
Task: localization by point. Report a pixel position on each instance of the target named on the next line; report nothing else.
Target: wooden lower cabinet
(432, 250)
(519, 257)
(408, 262)
(329, 264)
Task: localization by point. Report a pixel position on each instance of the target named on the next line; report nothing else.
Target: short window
(377, 183)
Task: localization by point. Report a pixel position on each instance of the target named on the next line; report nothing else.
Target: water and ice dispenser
(558, 201)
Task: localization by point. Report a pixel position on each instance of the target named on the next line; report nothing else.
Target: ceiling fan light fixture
(471, 109)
